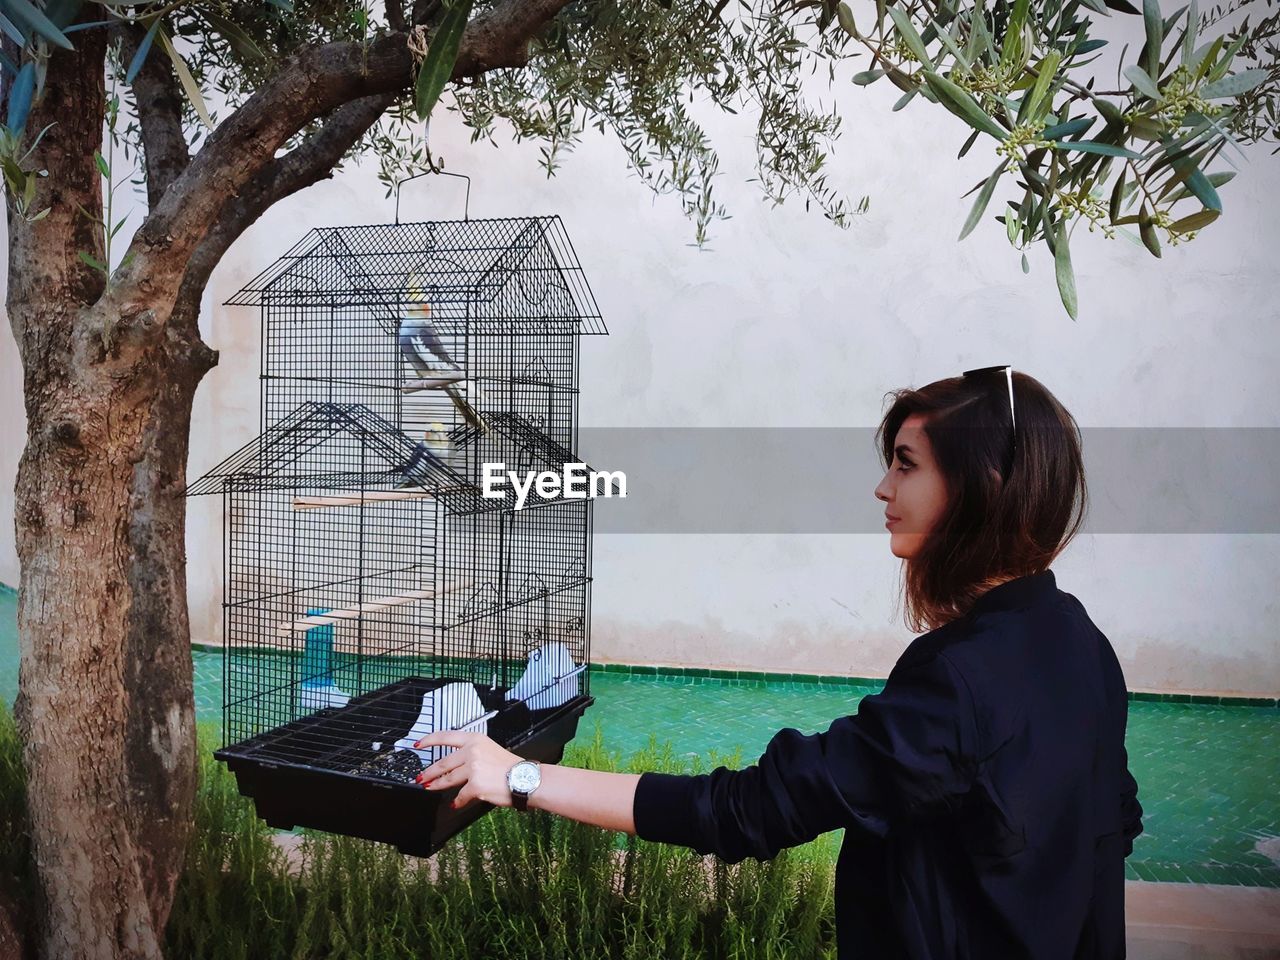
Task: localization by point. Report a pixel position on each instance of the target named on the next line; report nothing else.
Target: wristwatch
(522, 779)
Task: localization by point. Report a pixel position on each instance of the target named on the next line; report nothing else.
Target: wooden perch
(356, 497)
(369, 606)
(431, 383)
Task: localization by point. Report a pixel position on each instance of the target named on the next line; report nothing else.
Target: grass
(511, 886)
(17, 878)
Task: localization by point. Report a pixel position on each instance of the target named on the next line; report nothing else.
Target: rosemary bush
(510, 886)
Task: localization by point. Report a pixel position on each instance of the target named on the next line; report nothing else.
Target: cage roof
(289, 456)
(296, 454)
(498, 276)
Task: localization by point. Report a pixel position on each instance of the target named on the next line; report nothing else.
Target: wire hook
(466, 207)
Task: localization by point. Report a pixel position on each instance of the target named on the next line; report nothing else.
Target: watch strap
(519, 799)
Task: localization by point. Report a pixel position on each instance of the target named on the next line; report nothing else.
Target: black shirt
(985, 792)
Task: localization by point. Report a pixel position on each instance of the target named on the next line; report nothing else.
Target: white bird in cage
(426, 353)
(550, 678)
(455, 706)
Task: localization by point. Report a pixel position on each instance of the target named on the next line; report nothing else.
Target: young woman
(985, 791)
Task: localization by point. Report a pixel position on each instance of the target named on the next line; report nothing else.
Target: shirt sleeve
(907, 753)
(1130, 808)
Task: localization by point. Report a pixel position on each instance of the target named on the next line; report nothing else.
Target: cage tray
(316, 771)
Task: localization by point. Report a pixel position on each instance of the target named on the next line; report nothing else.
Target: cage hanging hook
(466, 204)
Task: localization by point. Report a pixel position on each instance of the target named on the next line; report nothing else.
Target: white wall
(787, 321)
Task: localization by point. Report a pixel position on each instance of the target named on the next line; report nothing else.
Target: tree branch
(395, 16)
(159, 98)
(313, 83)
(310, 162)
(500, 37)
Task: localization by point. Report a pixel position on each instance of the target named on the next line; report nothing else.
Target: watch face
(525, 777)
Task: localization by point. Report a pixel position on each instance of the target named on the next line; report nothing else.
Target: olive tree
(226, 108)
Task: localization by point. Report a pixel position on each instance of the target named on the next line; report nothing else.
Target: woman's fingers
(465, 796)
(442, 766)
(434, 774)
(477, 764)
(451, 779)
(447, 738)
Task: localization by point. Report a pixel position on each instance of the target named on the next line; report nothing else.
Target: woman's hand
(477, 764)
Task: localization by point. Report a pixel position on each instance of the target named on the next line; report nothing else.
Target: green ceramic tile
(1207, 797)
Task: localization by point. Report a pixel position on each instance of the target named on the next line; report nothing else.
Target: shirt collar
(1020, 592)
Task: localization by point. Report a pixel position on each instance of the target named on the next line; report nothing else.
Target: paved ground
(1184, 921)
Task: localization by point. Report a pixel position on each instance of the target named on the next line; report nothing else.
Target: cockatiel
(429, 357)
(435, 448)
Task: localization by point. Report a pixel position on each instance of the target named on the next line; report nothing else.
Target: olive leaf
(1195, 221)
(1150, 57)
(140, 55)
(437, 66)
(188, 82)
(1045, 71)
(35, 18)
(1147, 230)
(21, 95)
(1234, 85)
(1093, 146)
(980, 204)
(235, 35)
(1142, 82)
(909, 36)
(958, 101)
(845, 16)
(1063, 271)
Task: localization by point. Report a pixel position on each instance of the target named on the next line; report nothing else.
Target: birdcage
(373, 592)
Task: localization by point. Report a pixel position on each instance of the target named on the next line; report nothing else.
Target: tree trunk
(105, 696)
(105, 701)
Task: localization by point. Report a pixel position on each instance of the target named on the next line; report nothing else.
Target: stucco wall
(786, 321)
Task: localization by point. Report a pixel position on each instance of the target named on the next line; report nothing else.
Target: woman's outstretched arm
(588, 796)
(908, 752)
(480, 766)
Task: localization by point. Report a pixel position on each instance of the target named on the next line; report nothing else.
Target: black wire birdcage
(372, 592)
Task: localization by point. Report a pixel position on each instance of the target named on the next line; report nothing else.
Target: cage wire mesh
(372, 594)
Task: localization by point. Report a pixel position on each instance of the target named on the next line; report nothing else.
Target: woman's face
(913, 490)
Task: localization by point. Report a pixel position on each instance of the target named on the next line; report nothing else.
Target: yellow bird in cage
(426, 353)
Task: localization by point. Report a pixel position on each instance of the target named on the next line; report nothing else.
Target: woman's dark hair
(1012, 507)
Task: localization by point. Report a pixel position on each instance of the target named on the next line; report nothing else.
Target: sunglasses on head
(1007, 370)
